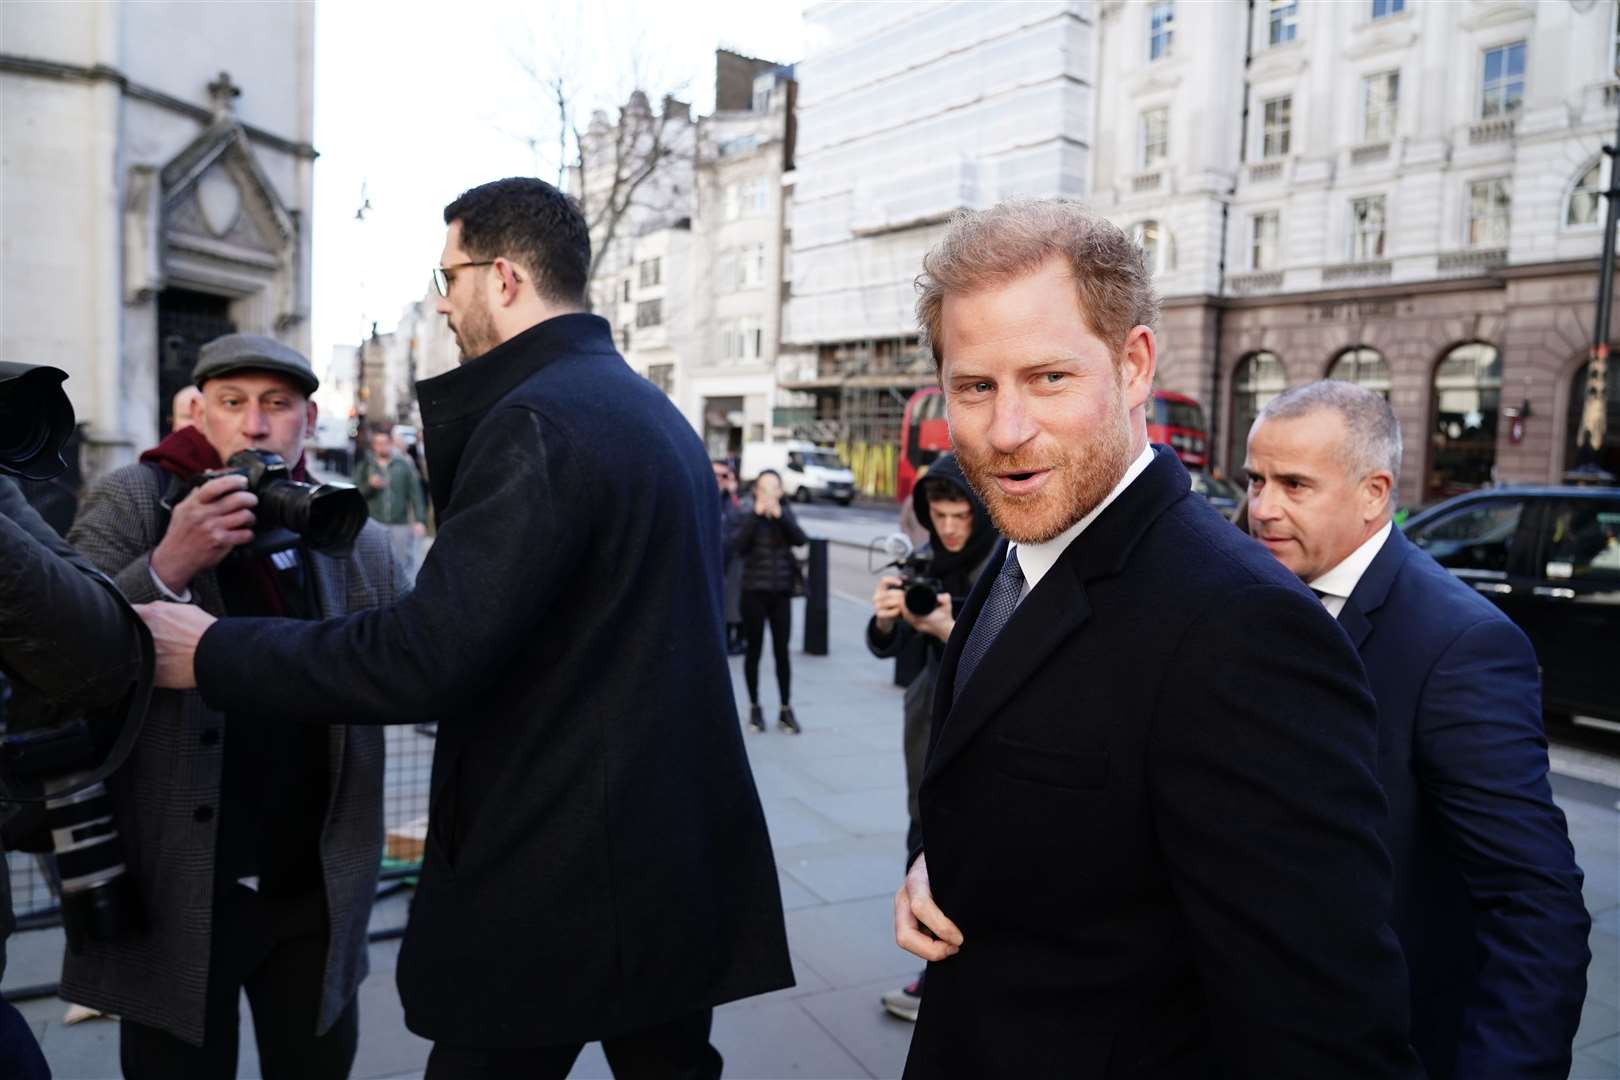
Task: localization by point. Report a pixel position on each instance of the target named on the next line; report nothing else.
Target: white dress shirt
(1337, 584)
(1036, 559)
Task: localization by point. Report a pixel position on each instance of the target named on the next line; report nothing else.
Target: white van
(808, 471)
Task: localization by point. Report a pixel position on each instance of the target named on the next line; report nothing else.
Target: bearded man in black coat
(597, 865)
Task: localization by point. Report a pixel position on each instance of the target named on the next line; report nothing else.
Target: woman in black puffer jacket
(764, 540)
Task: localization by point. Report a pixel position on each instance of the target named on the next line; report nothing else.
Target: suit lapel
(1052, 611)
(1373, 588)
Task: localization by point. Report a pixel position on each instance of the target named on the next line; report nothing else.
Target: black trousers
(777, 608)
(678, 1050)
(275, 948)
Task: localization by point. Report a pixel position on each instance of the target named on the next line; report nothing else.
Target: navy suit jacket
(1153, 812)
(1487, 894)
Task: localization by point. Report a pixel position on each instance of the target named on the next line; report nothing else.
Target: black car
(1218, 491)
(1549, 557)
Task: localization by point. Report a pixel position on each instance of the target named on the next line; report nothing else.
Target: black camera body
(922, 591)
(326, 517)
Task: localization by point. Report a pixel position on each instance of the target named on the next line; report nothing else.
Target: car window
(1477, 537)
(1583, 540)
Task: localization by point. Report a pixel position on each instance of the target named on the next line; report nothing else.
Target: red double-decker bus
(1177, 421)
(924, 435)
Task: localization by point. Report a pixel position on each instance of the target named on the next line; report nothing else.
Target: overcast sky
(420, 101)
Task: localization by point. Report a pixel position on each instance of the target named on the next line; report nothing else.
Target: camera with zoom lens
(326, 517)
(55, 765)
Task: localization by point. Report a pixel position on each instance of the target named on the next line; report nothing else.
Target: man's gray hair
(1373, 439)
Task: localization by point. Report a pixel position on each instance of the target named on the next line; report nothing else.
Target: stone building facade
(1403, 194)
(154, 192)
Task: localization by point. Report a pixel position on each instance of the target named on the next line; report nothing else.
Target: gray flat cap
(253, 352)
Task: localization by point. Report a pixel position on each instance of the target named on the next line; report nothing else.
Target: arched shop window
(1257, 379)
(1462, 435)
(1364, 367)
(1577, 455)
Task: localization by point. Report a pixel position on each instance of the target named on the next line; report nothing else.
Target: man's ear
(510, 276)
(1376, 488)
(310, 412)
(1138, 361)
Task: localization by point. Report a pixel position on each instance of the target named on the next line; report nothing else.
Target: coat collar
(1373, 588)
(453, 403)
(1052, 611)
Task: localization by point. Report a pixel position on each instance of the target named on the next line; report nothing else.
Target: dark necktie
(998, 608)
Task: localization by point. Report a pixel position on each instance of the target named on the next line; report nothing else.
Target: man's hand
(937, 623)
(419, 529)
(208, 523)
(767, 508)
(914, 908)
(176, 629)
(377, 480)
(888, 603)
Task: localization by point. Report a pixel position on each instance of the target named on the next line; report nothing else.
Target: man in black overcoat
(1150, 811)
(597, 865)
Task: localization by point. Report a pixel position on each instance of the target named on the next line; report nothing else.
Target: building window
(1467, 394)
(1367, 228)
(1154, 241)
(1382, 8)
(1263, 234)
(1155, 136)
(625, 291)
(732, 200)
(1501, 87)
(1161, 29)
(742, 339)
(1489, 204)
(1284, 21)
(1277, 128)
(1380, 96)
(1364, 367)
(1579, 451)
(651, 273)
(1258, 378)
(1586, 200)
(750, 267)
(624, 339)
(1616, 42)
(662, 376)
(754, 198)
(649, 313)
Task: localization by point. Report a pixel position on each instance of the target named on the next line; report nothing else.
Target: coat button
(203, 813)
(210, 736)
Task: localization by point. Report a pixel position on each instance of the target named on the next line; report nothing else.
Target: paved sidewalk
(835, 799)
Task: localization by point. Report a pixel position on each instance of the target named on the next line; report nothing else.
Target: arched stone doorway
(1577, 455)
(1256, 379)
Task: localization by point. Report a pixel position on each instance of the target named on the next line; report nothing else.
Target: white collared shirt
(1338, 583)
(1036, 559)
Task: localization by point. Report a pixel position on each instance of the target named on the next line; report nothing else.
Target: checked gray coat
(160, 977)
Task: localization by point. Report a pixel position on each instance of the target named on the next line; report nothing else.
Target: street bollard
(815, 602)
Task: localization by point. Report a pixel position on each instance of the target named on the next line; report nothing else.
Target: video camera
(922, 591)
(55, 756)
(327, 517)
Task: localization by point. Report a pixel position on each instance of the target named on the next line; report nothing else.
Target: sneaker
(786, 721)
(904, 1002)
(756, 718)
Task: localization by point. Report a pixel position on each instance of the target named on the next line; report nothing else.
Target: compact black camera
(327, 517)
(922, 591)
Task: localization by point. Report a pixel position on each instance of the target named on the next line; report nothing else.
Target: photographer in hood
(67, 642)
(960, 541)
(256, 846)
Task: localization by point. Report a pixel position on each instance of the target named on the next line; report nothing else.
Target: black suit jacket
(597, 860)
(1488, 902)
(1153, 814)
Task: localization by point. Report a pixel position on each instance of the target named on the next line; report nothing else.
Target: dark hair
(939, 489)
(763, 473)
(382, 427)
(533, 224)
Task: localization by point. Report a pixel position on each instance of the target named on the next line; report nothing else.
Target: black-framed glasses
(441, 274)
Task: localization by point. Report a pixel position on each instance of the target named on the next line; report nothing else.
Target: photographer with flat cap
(256, 846)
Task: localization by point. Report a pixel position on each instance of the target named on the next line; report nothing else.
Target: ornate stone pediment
(215, 190)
